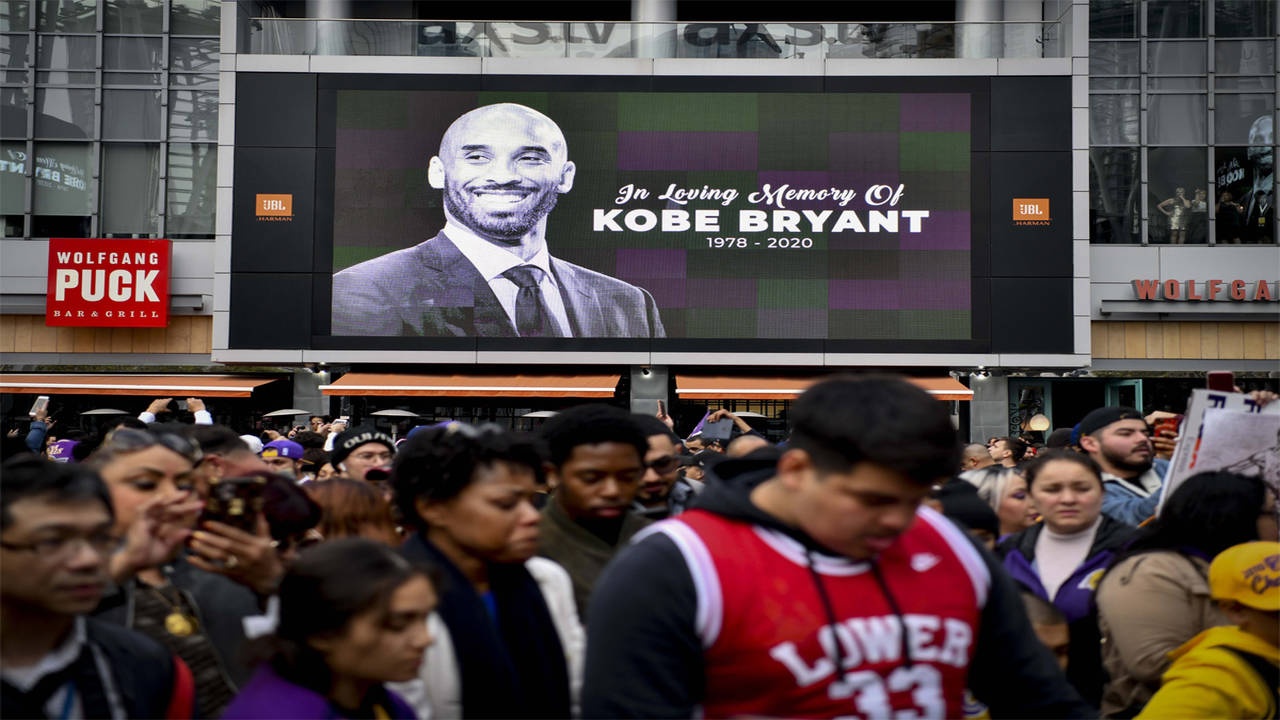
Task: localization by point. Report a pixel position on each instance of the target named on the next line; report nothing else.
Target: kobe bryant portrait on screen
(489, 272)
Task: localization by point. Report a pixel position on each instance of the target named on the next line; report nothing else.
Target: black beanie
(1104, 416)
(355, 437)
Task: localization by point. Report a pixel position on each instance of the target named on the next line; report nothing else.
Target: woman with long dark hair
(509, 642)
(353, 615)
(1155, 595)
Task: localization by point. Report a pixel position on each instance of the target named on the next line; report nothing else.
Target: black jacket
(654, 668)
(221, 606)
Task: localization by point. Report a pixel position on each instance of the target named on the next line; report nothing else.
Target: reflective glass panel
(1113, 119)
(1177, 119)
(1115, 205)
(1116, 83)
(134, 17)
(201, 80)
(1177, 200)
(66, 15)
(1177, 83)
(1245, 178)
(132, 53)
(13, 165)
(13, 112)
(1245, 83)
(64, 113)
(1244, 57)
(192, 190)
(13, 51)
(63, 179)
(1113, 58)
(1113, 18)
(1244, 18)
(193, 115)
(193, 55)
(1184, 57)
(1241, 119)
(67, 52)
(128, 78)
(58, 77)
(131, 114)
(194, 17)
(1175, 18)
(130, 189)
(14, 15)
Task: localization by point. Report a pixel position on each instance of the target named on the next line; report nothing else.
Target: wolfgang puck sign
(108, 283)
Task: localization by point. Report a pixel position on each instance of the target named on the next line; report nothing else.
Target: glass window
(66, 15)
(1244, 18)
(14, 16)
(1245, 83)
(192, 190)
(127, 78)
(1177, 83)
(13, 112)
(1113, 58)
(132, 53)
(130, 189)
(63, 188)
(1175, 18)
(13, 167)
(193, 115)
(195, 17)
(13, 51)
(191, 55)
(1177, 195)
(58, 77)
(1177, 119)
(1179, 57)
(1113, 18)
(1113, 119)
(1246, 194)
(64, 113)
(1116, 83)
(200, 80)
(67, 52)
(131, 114)
(1238, 119)
(1115, 206)
(134, 17)
(1244, 57)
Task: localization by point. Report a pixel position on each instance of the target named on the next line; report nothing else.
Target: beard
(1122, 462)
(507, 227)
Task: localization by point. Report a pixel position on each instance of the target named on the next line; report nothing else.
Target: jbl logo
(274, 205)
(1031, 210)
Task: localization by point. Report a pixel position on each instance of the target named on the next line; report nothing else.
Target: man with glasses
(596, 465)
(662, 491)
(359, 450)
(55, 540)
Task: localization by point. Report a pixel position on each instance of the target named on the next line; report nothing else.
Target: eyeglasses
(60, 548)
(664, 464)
(130, 440)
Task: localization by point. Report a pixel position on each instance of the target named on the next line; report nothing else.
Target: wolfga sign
(108, 283)
(1206, 290)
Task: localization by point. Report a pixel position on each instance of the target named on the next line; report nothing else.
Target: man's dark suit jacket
(432, 289)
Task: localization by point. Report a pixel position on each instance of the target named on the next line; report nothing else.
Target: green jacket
(578, 550)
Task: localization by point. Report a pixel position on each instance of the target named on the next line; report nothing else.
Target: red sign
(108, 283)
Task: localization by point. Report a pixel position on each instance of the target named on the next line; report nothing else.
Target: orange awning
(123, 384)
(585, 386)
(695, 387)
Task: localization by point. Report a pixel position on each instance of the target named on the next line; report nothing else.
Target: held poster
(653, 214)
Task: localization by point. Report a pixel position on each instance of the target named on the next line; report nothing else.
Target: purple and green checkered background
(881, 286)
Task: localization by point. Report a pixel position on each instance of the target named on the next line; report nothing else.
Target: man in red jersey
(814, 585)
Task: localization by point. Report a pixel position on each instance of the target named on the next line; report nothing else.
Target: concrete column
(331, 37)
(989, 409)
(306, 391)
(1020, 41)
(649, 384)
(653, 41)
(979, 41)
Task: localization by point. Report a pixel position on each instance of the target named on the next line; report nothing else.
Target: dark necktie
(533, 319)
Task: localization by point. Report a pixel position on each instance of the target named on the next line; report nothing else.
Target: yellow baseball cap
(1248, 573)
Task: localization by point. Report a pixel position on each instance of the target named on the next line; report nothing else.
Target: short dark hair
(1033, 468)
(28, 476)
(309, 439)
(325, 588)
(650, 426)
(439, 463)
(1016, 445)
(589, 425)
(217, 439)
(877, 419)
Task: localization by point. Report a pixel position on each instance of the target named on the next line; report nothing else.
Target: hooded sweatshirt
(726, 610)
(1223, 672)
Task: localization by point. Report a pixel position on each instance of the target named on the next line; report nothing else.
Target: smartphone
(662, 408)
(235, 501)
(41, 403)
(182, 405)
(1171, 424)
(1222, 380)
(718, 430)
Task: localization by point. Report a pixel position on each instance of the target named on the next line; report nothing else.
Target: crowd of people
(602, 566)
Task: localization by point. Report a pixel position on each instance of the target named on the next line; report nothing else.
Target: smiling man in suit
(488, 273)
